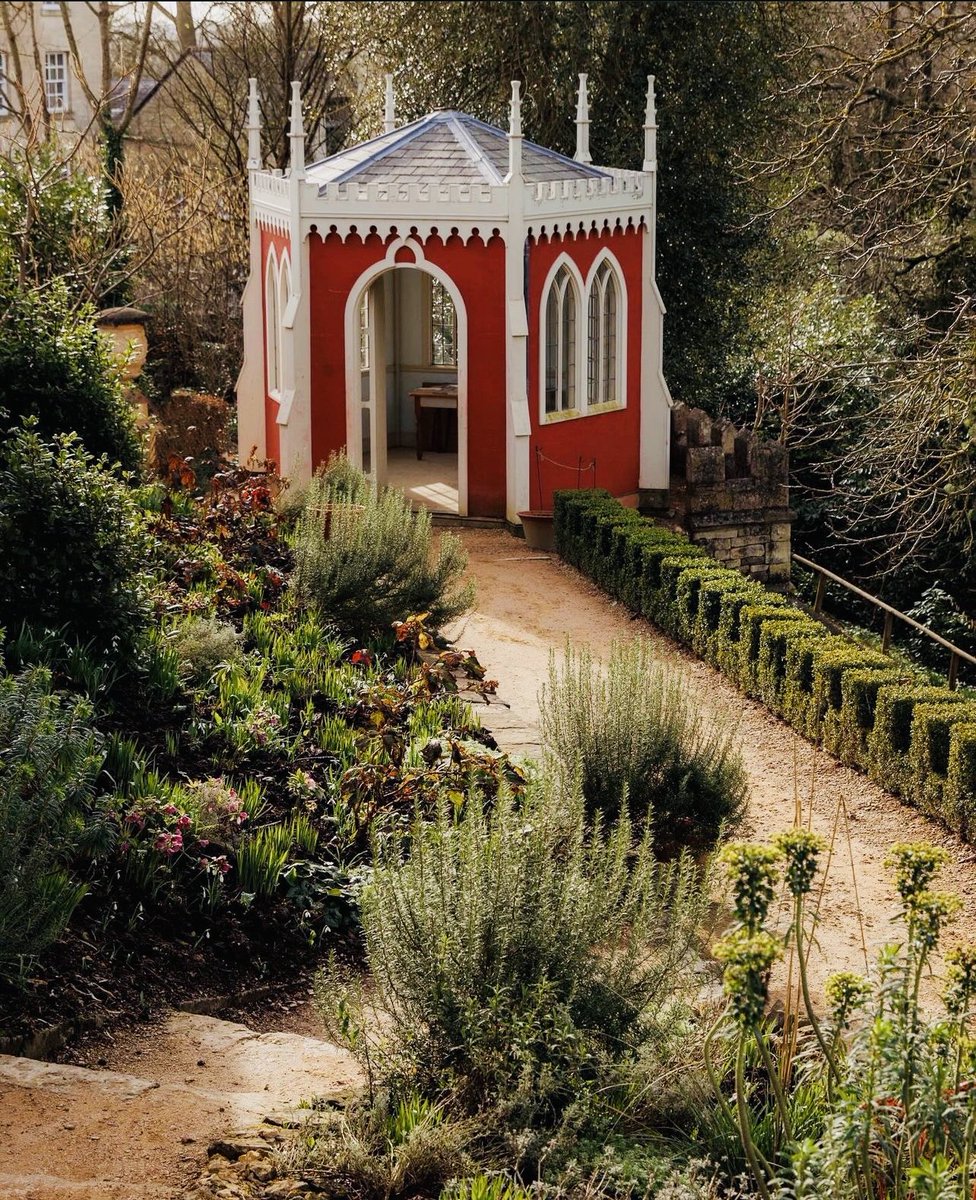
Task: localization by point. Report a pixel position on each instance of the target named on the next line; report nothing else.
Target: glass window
(443, 326)
(56, 81)
(561, 343)
(603, 337)
(364, 332)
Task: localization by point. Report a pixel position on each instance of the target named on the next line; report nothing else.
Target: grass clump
(634, 732)
(364, 559)
(522, 958)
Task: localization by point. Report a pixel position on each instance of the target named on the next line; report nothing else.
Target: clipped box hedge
(916, 740)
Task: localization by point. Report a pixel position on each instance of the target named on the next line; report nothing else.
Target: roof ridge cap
(487, 168)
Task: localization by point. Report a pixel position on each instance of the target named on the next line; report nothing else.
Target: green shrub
(704, 636)
(70, 544)
(752, 617)
(929, 754)
(846, 733)
(777, 632)
(364, 560)
(568, 510)
(519, 955)
(960, 787)
(48, 768)
(728, 653)
(635, 735)
(201, 646)
(689, 592)
(56, 369)
(889, 744)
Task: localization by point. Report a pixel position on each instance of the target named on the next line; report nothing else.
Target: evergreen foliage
(56, 369)
(364, 559)
(634, 735)
(71, 550)
(47, 772)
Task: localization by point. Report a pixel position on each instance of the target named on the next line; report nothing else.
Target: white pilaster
(294, 411)
(655, 440)
(583, 122)
(251, 439)
(389, 109)
(518, 429)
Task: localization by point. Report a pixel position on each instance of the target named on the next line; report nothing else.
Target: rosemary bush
(521, 957)
(48, 769)
(634, 732)
(364, 559)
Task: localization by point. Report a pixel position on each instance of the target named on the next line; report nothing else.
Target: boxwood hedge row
(916, 740)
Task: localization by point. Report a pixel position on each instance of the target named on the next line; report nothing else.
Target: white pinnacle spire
(389, 112)
(296, 133)
(650, 128)
(253, 127)
(515, 132)
(583, 123)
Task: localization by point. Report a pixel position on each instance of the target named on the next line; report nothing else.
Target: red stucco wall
(612, 438)
(478, 270)
(271, 430)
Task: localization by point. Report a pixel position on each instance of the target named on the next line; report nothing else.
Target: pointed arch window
(561, 343)
(273, 313)
(604, 338)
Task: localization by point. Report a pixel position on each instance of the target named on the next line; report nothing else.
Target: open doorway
(412, 389)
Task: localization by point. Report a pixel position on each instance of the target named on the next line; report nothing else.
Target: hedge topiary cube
(713, 590)
(960, 786)
(568, 507)
(799, 705)
(775, 637)
(859, 697)
(632, 542)
(688, 597)
(752, 617)
(727, 639)
(929, 752)
(889, 743)
(665, 563)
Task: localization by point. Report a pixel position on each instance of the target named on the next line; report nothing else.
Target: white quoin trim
(296, 133)
(354, 402)
(583, 122)
(515, 134)
(650, 128)
(389, 108)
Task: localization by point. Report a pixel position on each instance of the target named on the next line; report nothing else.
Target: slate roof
(444, 147)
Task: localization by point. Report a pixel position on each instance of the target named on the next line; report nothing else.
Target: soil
(530, 605)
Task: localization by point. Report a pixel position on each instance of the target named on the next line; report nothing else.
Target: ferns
(364, 560)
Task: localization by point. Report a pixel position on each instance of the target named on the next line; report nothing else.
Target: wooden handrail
(956, 653)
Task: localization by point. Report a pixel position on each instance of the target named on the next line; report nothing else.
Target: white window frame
(604, 274)
(564, 281)
(272, 326)
(583, 406)
(57, 60)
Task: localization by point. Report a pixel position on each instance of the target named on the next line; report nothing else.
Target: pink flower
(169, 843)
(171, 810)
(136, 819)
(184, 822)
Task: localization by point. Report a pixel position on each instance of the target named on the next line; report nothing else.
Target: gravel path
(529, 605)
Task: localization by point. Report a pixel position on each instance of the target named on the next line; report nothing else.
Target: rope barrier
(579, 468)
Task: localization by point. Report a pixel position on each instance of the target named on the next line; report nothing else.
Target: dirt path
(138, 1128)
(529, 605)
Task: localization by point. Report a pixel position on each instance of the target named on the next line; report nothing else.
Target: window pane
(568, 334)
(552, 347)
(56, 81)
(364, 332)
(443, 326)
(593, 345)
(610, 340)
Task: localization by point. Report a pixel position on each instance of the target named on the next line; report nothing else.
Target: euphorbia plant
(899, 1086)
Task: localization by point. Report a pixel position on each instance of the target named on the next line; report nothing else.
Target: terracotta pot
(539, 531)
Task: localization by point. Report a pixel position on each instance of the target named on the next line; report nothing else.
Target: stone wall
(728, 492)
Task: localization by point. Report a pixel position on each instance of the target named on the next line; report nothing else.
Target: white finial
(650, 128)
(389, 112)
(515, 111)
(583, 123)
(515, 132)
(253, 127)
(296, 133)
